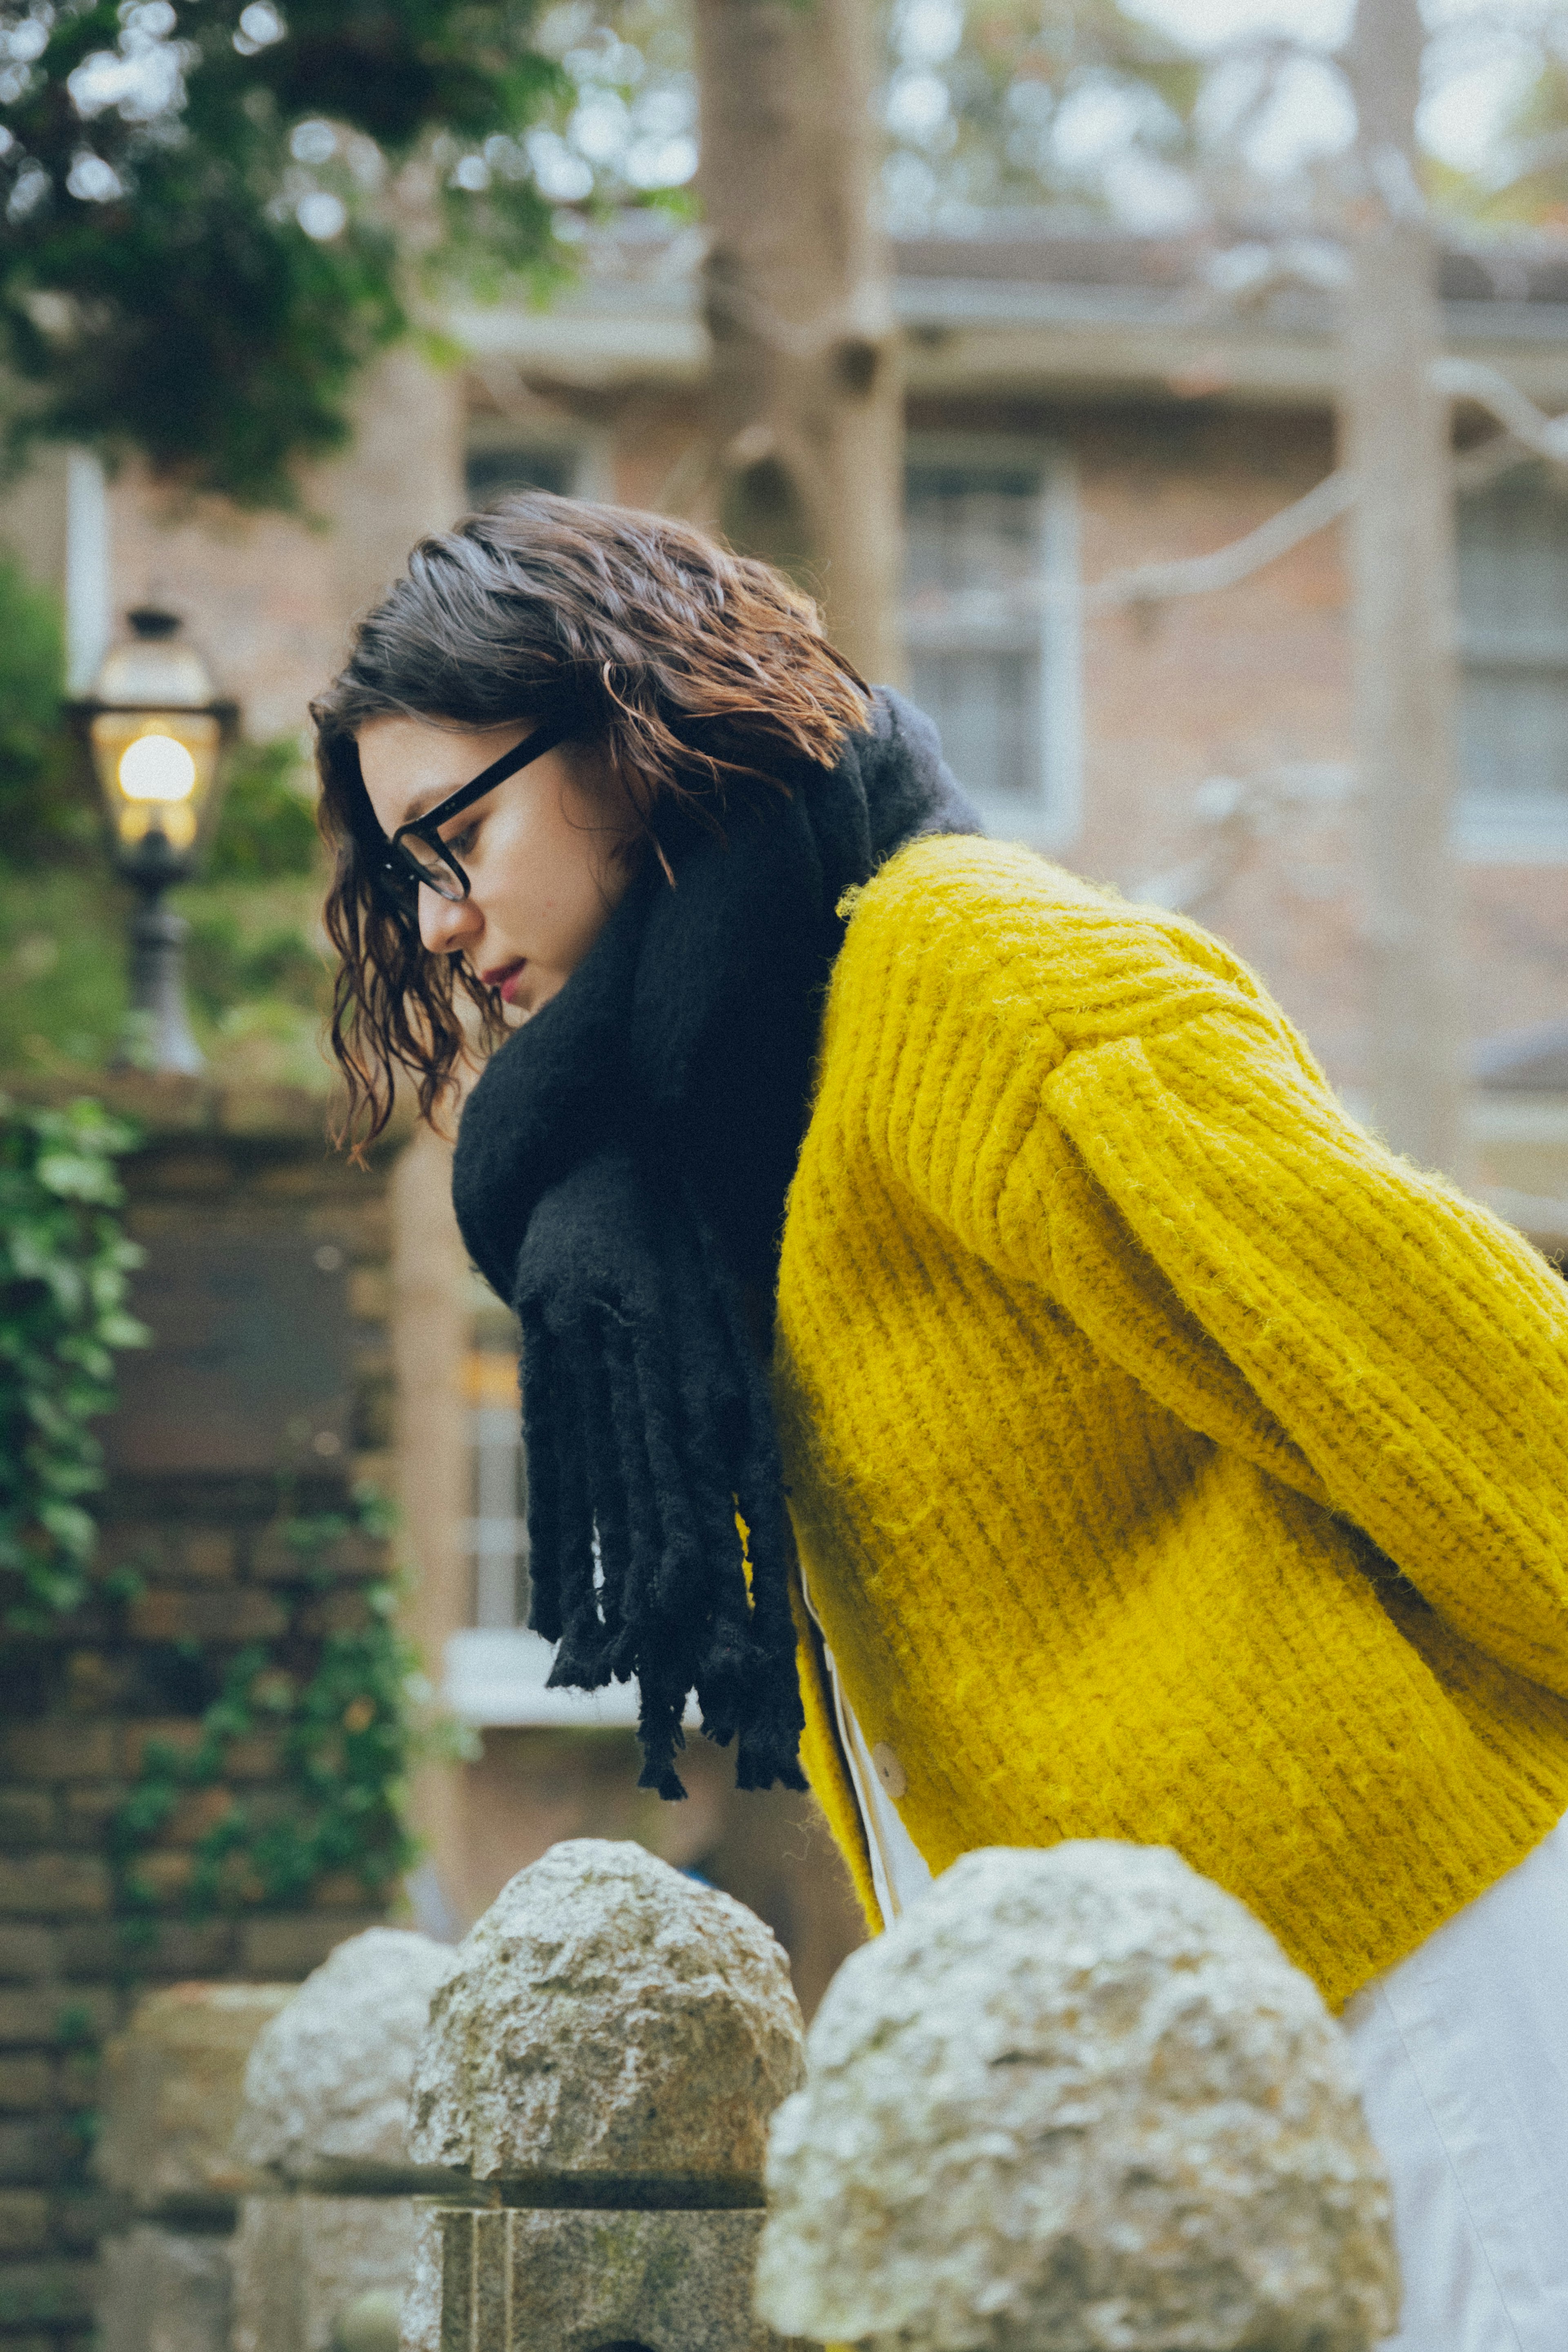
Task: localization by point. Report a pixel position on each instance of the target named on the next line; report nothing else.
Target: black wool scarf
(620, 1176)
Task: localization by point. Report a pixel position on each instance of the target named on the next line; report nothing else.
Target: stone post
(324, 2253)
(1077, 2101)
(602, 2064)
(172, 2087)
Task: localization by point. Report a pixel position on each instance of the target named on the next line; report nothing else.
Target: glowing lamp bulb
(156, 767)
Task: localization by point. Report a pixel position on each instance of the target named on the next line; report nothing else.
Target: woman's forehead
(411, 765)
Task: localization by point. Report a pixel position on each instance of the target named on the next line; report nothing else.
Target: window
(491, 473)
(991, 623)
(497, 1527)
(494, 1670)
(1513, 678)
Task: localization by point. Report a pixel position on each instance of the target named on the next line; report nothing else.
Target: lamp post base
(157, 1034)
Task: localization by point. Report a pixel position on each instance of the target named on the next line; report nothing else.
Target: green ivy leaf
(76, 1176)
(350, 1739)
(63, 1257)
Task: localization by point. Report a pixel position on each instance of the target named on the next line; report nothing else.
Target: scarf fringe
(650, 1436)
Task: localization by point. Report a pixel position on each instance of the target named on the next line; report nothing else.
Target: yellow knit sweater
(1167, 1461)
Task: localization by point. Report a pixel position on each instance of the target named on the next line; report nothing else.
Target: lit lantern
(157, 733)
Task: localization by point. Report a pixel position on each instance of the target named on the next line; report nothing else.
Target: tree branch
(1489, 389)
(1199, 575)
(1528, 432)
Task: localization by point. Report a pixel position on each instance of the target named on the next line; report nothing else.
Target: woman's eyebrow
(509, 763)
(432, 798)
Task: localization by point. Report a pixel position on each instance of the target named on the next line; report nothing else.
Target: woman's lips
(505, 977)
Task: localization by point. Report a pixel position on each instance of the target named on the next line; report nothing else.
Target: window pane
(1514, 735)
(973, 533)
(1513, 610)
(985, 706)
(970, 526)
(497, 1523)
(491, 473)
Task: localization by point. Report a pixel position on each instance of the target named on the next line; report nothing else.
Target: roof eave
(980, 338)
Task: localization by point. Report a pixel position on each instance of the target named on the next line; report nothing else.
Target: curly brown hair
(688, 671)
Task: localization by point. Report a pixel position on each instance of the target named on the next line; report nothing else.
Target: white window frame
(1525, 832)
(1053, 817)
(494, 1539)
(494, 1675)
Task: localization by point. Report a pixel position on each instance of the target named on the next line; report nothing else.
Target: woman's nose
(446, 924)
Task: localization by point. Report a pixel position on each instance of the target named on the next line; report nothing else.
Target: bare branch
(1473, 380)
(1198, 575)
(1528, 432)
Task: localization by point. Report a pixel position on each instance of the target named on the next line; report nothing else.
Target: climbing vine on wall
(331, 1701)
(346, 1735)
(64, 1267)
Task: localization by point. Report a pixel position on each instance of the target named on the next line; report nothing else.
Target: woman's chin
(533, 994)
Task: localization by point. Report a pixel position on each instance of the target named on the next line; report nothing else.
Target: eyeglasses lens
(428, 867)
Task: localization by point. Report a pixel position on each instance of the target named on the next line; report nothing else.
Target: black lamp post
(157, 733)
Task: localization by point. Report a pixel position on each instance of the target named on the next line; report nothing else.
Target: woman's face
(548, 854)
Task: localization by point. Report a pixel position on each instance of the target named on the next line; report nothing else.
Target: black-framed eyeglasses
(416, 856)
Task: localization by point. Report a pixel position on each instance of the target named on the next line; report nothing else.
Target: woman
(1166, 1461)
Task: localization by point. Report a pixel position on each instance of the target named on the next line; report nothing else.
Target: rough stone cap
(1077, 2100)
(326, 2089)
(172, 2087)
(613, 2034)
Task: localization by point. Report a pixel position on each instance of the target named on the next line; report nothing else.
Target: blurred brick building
(1076, 407)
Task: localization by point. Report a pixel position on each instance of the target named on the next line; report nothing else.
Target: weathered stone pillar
(325, 2255)
(172, 2089)
(1077, 2101)
(603, 2063)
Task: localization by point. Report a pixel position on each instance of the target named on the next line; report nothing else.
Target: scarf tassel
(648, 1431)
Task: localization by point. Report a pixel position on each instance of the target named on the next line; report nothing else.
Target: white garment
(1462, 2051)
(898, 1868)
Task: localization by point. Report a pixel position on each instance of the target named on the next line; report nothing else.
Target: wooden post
(1402, 540)
(806, 403)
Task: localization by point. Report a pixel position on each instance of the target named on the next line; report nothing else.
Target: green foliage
(1525, 182)
(240, 951)
(64, 1260)
(210, 230)
(38, 807)
(1013, 77)
(44, 2297)
(62, 966)
(348, 1741)
(224, 969)
(257, 978)
(267, 826)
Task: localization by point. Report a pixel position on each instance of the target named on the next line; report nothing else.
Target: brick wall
(1238, 683)
(266, 1283)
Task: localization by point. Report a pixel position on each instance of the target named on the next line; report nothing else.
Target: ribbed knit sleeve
(1408, 1345)
(1101, 1101)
